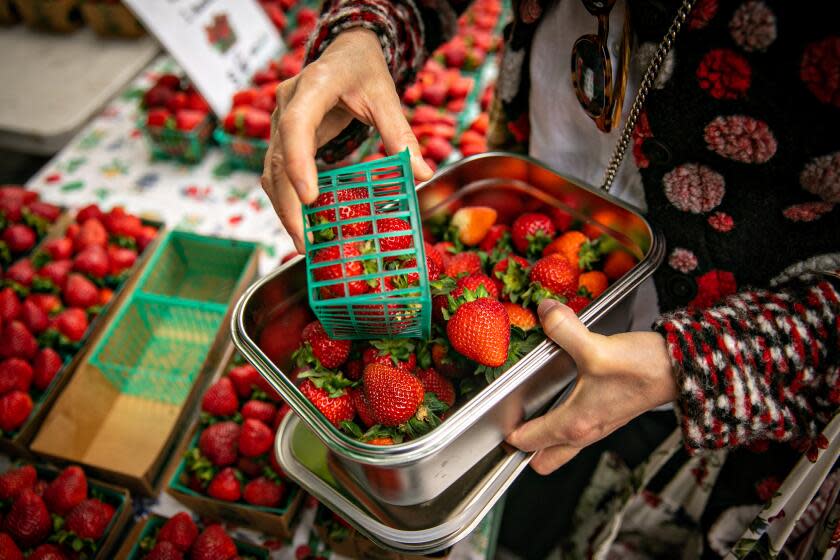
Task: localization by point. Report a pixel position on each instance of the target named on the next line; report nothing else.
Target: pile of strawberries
(475, 37)
(24, 220)
(234, 460)
(54, 520)
(490, 261)
(49, 299)
(174, 104)
(180, 538)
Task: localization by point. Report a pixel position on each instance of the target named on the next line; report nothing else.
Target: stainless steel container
(418, 471)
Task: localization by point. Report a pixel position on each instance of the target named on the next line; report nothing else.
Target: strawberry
(220, 399)
(45, 366)
(145, 237)
(480, 330)
(398, 353)
(28, 521)
(11, 209)
(473, 281)
(339, 273)
(158, 117)
(19, 238)
(434, 255)
(10, 307)
(72, 323)
(433, 382)
(577, 303)
(66, 491)
(553, 276)
(263, 492)
(393, 243)
(594, 283)
(472, 223)
(91, 233)
(357, 396)
(353, 369)
(15, 374)
(22, 272)
(330, 352)
(220, 442)
(55, 272)
(278, 418)
(381, 441)
(15, 481)
(164, 551)
(511, 277)
(48, 552)
(259, 410)
(89, 519)
(49, 303)
(434, 94)
(8, 549)
(413, 278)
(463, 264)
(394, 395)
(120, 259)
(289, 66)
(87, 212)
(437, 149)
(345, 212)
(519, 316)
(306, 17)
(576, 248)
(225, 486)
(255, 438)
(498, 236)
(157, 96)
(80, 292)
(245, 378)
(178, 101)
(617, 264)
(282, 333)
(41, 209)
(122, 224)
(337, 409)
(180, 530)
(92, 261)
(213, 544)
(249, 466)
(531, 232)
(59, 249)
(17, 342)
(187, 119)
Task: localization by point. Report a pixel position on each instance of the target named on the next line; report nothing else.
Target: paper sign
(220, 44)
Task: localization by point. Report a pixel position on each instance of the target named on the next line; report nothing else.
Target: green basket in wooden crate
(196, 267)
(365, 260)
(156, 345)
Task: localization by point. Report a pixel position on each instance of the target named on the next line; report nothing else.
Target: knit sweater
(740, 159)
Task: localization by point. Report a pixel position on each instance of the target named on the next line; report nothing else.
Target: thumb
(562, 325)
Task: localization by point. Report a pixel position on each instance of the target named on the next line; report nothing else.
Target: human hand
(619, 378)
(350, 80)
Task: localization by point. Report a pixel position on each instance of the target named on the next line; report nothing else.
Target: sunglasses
(592, 72)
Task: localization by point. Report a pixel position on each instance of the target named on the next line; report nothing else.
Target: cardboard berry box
(144, 533)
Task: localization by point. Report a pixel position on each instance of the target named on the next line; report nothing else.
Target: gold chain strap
(648, 79)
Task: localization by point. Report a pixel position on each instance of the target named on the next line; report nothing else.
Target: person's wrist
(659, 376)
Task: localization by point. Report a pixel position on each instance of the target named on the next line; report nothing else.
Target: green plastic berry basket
(242, 152)
(185, 146)
(361, 235)
(156, 345)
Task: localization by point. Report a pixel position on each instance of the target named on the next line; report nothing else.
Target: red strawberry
(437, 149)
(511, 276)
(49, 303)
(433, 382)
(340, 273)
(72, 323)
(164, 551)
(180, 530)
(393, 243)
(120, 223)
(220, 399)
(278, 418)
(394, 395)
(331, 353)
(249, 466)
(10, 307)
(145, 237)
(473, 223)
(158, 117)
(259, 410)
(8, 549)
(220, 442)
(480, 330)
(413, 278)
(434, 255)
(345, 212)
(120, 259)
(67, 490)
(11, 209)
(263, 492)
(20, 238)
(353, 369)
(336, 409)
(398, 353)
(255, 438)
(89, 519)
(91, 233)
(28, 521)
(15, 374)
(48, 552)
(578, 303)
(45, 366)
(80, 292)
(521, 317)
(21, 272)
(157, 96)
(257, 123)
(225, 486)
(357, 396)
(187, 119)
(56, 272)
(213, 544)
(15, 481)
(532, 232)
(282, 334)
(473, 282)
(463, 264)
(87, 212)
(306, 17)
(45, 210)
(244, 378)
(17, 342)
(497, 236)
(289, 66)
(553, 276)
(92, 261)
